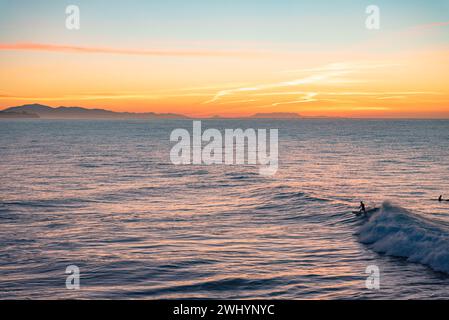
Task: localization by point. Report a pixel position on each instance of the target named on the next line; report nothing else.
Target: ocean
(105, 197)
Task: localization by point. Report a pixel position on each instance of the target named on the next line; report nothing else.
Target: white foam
(397, 232)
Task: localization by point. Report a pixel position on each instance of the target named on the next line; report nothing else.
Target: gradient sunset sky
(230, 58)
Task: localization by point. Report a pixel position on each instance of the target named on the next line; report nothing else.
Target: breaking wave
(397, 232)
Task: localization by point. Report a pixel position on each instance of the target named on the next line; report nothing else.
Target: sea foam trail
(398, 232)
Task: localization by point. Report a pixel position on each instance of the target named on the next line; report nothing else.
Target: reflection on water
(103, 195)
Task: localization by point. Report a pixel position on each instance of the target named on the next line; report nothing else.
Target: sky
(231, 58)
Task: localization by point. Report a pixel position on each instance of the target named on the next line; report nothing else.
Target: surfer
(440, 198)
(362, 208)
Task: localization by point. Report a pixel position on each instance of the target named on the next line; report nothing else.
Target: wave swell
(397, 232)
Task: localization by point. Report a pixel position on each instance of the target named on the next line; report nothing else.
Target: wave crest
(398, 232)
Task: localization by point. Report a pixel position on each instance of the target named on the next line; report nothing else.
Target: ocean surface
(104, 196)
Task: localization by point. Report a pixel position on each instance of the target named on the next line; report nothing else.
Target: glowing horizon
(229, 60)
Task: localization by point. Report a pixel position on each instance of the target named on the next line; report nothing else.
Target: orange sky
(390, 85)
(387, 75)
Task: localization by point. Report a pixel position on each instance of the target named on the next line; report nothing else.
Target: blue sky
(281, 21)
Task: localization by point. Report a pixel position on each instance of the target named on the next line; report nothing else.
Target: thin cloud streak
(320, 75)
(99, 50)
(292, 83)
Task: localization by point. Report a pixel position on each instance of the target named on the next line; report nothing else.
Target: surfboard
(369, 211)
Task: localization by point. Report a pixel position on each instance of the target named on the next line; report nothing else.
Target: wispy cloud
(292, 83)
(309, 97)
(101, 50)
(393, 38)
(428, 26)
(333, 73)
(320, 77)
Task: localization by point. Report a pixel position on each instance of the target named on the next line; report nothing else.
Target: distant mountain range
(17, 115)
(46, 112)
(31, 111)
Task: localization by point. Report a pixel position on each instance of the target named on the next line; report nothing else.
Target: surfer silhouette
(440, 198)
(362, 208)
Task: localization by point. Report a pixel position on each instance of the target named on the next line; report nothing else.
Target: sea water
(105, 197)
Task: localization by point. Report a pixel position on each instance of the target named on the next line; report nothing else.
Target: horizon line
(222, 117)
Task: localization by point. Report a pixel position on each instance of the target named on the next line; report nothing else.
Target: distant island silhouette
(18, 115)
(33, 111)
(46, 112)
